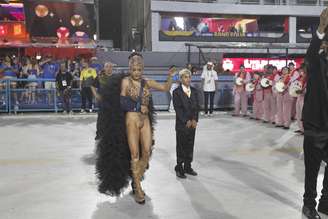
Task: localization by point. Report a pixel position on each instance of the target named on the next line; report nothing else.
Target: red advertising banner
(257, 64)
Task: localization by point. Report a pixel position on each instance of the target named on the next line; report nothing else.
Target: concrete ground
(247, 170)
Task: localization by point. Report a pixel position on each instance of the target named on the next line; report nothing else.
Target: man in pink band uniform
(294, 74)
(257, 98)
(288, 102)
(267, 102)
(276, 77)
(300, 99)
(281, 104)
(240, 94)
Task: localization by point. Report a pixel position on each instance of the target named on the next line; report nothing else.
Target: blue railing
(14, 100)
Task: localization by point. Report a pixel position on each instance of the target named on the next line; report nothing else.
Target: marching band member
(280, 98)
(287, 102)
(240, 95)
(125, 147)
(294, 75)
(257, 98)
(300, 99)
(267, 95)
(275, 78)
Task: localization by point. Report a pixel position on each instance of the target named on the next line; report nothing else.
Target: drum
(295, 88)
(280, 87)
(239, 81)
(250, 87)
(265, 82)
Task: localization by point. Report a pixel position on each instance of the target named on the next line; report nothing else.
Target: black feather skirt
(113, 154)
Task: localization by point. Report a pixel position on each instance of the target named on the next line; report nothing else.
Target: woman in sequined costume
(125, 149)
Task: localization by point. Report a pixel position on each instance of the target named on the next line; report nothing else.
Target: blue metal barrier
(14, 100)
(3, 95)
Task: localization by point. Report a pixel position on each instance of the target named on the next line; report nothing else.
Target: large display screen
(12, 12)
(215, 27)
(60, 19)
(13, 30)
(12, 21)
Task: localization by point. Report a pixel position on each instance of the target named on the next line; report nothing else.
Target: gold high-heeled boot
(144, 162)
(138, 193)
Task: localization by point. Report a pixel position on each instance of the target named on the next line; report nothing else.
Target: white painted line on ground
(281, 142)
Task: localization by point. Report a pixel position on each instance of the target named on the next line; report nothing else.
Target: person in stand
(186, 106)
(10, 71)
(87, 77)
(50, 70)
(172, 26)
(64, 80)
(315, 121)
(34, 73)
(205, 29)
(95, 65)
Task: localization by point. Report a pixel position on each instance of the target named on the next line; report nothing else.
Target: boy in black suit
(186, 106)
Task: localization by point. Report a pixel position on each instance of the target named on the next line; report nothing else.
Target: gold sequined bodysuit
(133, 92)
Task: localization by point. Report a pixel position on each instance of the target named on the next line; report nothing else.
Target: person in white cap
(186, 106)
(209, 78)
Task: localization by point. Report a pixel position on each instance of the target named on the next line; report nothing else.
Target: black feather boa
(113, 154)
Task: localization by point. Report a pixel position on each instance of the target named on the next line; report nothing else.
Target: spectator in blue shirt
(2, 85)
(97, 66)
(9, 70)
(50, 69)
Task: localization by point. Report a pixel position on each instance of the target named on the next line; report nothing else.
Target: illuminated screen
(12, 12)
(60, 19)
(257, 64)
(223, 26)
(13, 30)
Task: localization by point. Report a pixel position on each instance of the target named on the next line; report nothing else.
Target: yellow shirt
(87, 73)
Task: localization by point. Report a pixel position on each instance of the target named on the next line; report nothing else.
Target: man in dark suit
(315, 120)
(186, 106)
